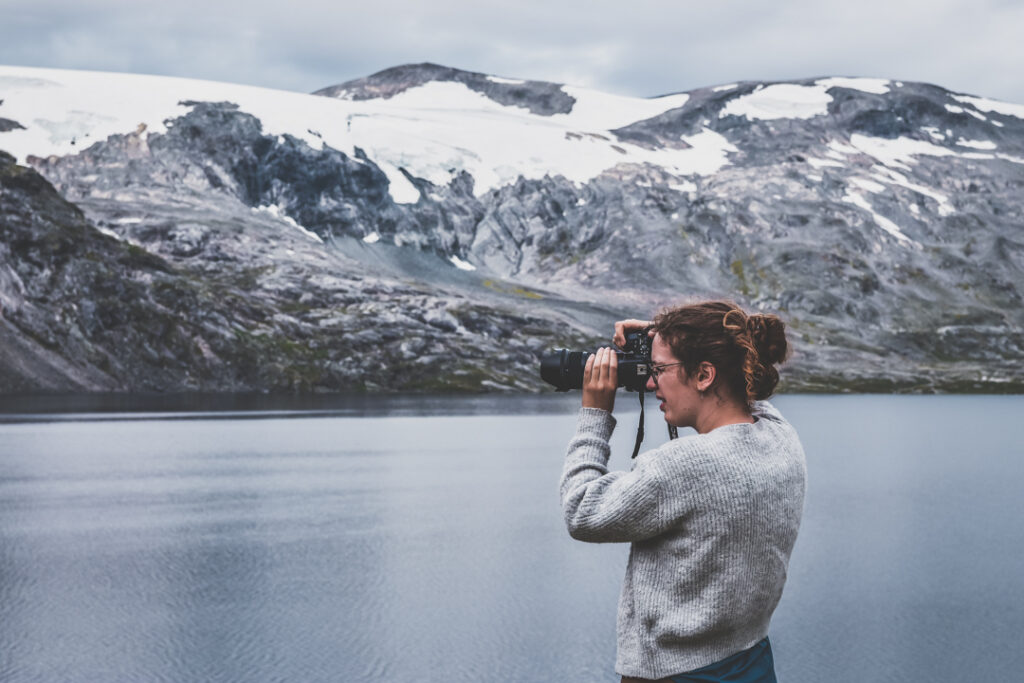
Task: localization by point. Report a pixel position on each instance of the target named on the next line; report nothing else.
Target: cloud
(641, 47)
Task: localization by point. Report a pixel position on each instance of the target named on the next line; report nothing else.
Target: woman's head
(743, 349)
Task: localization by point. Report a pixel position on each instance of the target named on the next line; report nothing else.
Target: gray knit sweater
(712, 519)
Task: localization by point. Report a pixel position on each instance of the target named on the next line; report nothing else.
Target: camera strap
(673, 431)
(640, 427)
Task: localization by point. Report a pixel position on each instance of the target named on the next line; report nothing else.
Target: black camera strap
(640, 427)
(673, 431)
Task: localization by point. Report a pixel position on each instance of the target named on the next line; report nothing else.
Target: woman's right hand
(624, 327)
(601, 379)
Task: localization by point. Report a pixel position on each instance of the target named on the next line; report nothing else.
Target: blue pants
(754, 665)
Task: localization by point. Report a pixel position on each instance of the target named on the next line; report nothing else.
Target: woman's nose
(651, 386)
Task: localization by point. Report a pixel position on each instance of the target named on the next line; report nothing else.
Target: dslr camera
(563, 369)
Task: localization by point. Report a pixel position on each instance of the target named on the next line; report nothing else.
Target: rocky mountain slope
(431, 229)
(211, 307)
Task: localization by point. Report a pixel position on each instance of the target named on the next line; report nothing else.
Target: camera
(563, 369)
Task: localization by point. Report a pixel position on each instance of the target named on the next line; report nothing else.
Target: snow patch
(842, 148)
(107, 231)
(976, 144)
(824, 163)
(598, 111)
(896, 152)
(507, 81)
(401, 190)
(707, 154)
(721, 88)
(780, 101)
(460, 264)
(960, 110)
(868, 185)
(372, 238)
(685, 186)
(875, 86)
(61, 108)
(901, 151)
(882, 222)
(983, 104)
(276, 212)
(450, 96)
(887, 175)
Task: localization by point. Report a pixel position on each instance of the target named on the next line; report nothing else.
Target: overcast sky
(630, 47)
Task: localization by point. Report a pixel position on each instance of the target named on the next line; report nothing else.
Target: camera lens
(563, 369)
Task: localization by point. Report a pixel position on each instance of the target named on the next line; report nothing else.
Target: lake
(421, 539)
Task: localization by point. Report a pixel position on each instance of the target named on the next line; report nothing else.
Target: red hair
(744, 349)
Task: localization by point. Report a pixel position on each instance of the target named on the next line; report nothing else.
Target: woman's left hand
(601, 380)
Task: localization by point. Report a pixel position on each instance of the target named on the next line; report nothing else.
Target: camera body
(563, 369)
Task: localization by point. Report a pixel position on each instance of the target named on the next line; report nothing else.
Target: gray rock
(246, 261)
(540, 97)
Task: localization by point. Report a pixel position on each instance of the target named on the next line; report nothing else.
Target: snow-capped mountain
(434, 131)
(425, 213)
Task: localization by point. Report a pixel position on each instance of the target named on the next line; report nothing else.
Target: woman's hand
(624, 327)
(601, 379)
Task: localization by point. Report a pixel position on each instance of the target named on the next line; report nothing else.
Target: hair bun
(743, 348)
(768, 334)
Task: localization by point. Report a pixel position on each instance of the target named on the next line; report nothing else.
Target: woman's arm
(612, 507)
(602, 506)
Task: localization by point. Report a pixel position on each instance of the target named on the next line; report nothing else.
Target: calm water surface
(421, 539)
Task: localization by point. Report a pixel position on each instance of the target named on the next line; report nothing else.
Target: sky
(629, 47)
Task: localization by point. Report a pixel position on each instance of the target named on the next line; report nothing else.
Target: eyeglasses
(656, 371)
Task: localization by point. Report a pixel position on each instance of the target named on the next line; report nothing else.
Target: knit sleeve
(610, 507)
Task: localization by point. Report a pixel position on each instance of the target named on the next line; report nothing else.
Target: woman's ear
(705, 376)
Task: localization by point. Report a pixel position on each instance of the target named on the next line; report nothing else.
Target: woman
(712, 517)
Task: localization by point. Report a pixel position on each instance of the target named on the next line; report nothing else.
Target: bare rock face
(217, 311)
(539, 97)
(215, 256)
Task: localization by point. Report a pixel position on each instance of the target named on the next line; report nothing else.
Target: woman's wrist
(604, 401)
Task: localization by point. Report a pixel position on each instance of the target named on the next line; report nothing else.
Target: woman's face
(677, 392)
